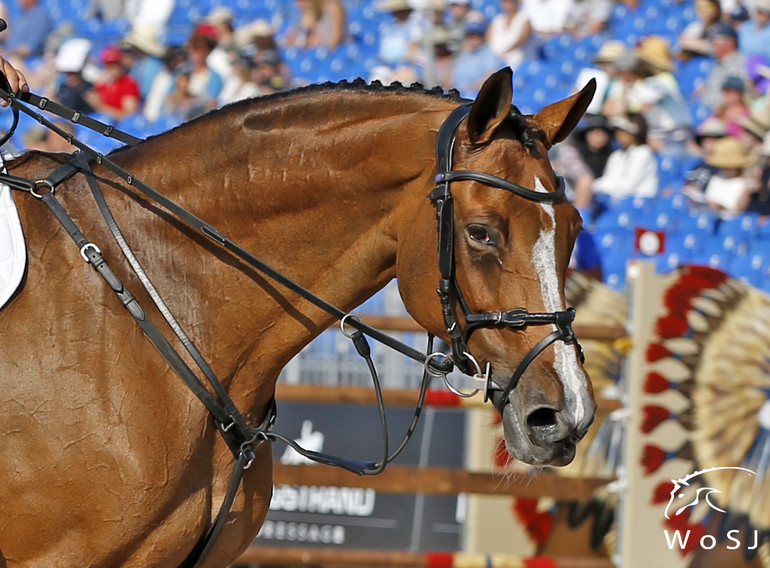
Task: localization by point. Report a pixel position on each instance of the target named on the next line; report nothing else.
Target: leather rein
(242, 438)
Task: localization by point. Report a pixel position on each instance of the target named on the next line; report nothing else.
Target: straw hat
(654, 50)
(624, 124)
(610, 51)
(393, 5)
(145, 39)
(757, 123)
(593, 122)
(441, 35)
(729, 153)
(220, 15)
(245, 35)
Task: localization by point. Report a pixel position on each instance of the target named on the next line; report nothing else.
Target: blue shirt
(473, 66)
(30, 28)
(144, 71)
(754, 40)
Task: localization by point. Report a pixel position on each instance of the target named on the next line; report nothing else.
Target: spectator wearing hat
(196, 86)
(143, 56)
(693, 40)
(706, 136)
(116, 93)
(399, 34)
(754, 129)
(593, 140)
(632, 169)
(754, 34)
(729, 191)
(728, 62)
(655, 93)
(602, 72)
(508, 33)
(153, 14)
(268, 73)
(203, 84)
(258, 38)
(73, 88)
(626, 72)
(475, 61)
(221, 18)
(255, 36)
(219, 24)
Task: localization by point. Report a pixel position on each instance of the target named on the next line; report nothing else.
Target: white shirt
(725, 192)
(547, 16)
(502, 35)
(630, 172)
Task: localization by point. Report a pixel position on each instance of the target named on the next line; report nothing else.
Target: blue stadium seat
(751, 268)
(614, 268)
(702, 223)
(714, 255)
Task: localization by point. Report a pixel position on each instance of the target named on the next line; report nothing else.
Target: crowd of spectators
(640, 117)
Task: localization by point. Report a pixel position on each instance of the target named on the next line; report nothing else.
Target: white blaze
(544, 259)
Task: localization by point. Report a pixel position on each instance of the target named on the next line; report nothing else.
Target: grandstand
(740, 246)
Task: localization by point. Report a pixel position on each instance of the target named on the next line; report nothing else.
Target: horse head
(510, 252)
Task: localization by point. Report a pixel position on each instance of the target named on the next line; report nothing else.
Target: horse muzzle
(543, 426)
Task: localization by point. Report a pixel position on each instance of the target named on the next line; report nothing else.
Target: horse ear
(557, 120)
(491, 107)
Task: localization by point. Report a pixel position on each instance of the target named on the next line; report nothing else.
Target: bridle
(449, 290)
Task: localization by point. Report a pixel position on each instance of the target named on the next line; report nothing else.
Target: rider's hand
(16, 79)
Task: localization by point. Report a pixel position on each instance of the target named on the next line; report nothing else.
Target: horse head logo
(679, 492)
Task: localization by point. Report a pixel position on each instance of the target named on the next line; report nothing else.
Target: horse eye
(480, 234)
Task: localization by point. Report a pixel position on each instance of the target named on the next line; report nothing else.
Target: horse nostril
(548, 426)
(541, 419)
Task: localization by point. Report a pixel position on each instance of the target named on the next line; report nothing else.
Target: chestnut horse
(108, 459)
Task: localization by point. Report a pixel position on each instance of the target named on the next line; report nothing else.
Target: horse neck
(317, 186)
